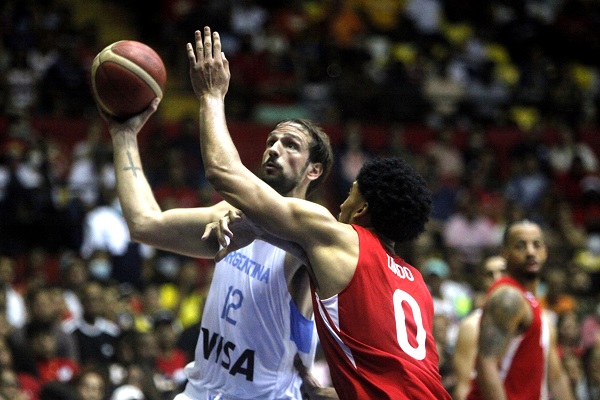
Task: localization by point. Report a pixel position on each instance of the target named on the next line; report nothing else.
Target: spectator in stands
(20, 86)
(446, 155)
(91, 384)
(398, 145)
(435, 271)
(590, 327)
(487, 97)
(178, 189)
(568, 328)
(185, 142)
(137, 386)
(144, 370)
(64, 89)
(150, 307)
(587, 258)
(73, 274)
(26, 382)
(106, 233)
(532, 142)
(350, 155)
(443, 92)
(565, 99)
(95, 336)
(43, 348)
(16, 312)
(568, 147)
(557, 300)
(10, 387)
(170, 361)
(468, 232)
(527, 185)
(185, 296)
(55, 390)
(91, 167)
(43, 312)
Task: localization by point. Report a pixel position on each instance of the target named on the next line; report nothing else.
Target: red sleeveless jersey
(376, 333)
(523, 367)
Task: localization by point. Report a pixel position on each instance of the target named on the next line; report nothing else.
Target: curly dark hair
(398, 197)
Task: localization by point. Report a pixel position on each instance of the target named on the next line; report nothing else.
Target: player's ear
(362, 210)
(314, 171)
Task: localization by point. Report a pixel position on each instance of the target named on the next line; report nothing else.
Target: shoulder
(505, 297)
(507, 306)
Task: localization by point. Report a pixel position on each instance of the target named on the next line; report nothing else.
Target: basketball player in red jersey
(373, 310)
(517, 357)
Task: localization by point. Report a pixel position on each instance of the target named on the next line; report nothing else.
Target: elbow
(141, 228)
(215, 176)
(212, 177)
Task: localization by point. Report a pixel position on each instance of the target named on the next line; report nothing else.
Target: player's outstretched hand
(209, 69)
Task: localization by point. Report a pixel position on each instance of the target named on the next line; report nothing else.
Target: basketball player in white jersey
(258, 312)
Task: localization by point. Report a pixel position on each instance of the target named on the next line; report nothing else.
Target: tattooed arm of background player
(506, 312)
(558, 380)
(176, 230)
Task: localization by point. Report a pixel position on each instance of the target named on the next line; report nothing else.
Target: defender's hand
(233, 226)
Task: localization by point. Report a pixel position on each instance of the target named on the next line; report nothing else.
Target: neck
(299, 192)
(388, 244)
(529, 284)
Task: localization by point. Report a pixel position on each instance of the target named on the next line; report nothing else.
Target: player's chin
(533, 270)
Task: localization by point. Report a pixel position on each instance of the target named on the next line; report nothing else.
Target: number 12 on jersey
(233, 301)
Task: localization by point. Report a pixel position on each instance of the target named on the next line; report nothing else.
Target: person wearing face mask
(107, 244)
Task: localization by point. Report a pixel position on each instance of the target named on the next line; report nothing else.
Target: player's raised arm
(286, 217)
(176, 230)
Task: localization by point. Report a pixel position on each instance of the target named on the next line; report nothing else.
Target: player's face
(525, 251)
(493, 269)
(285, 160)
(353, 203)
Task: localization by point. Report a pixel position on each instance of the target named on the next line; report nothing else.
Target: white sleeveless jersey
(250, 331)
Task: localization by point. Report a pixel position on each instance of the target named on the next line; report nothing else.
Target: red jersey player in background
(517, 357)
(373, 310)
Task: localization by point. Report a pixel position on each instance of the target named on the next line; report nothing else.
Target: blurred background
(496, 103)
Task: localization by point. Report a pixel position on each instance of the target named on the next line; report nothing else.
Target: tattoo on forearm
(131, 167)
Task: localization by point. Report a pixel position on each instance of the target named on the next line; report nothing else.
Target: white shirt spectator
(105, 229)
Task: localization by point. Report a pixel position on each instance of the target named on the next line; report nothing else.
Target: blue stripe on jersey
(301, 329)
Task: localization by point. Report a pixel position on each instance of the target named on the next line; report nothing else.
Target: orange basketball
(126, 76)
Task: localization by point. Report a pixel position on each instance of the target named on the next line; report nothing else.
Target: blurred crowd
(87, 314)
